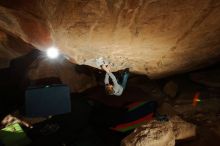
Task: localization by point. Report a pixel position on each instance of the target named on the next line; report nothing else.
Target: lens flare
(196, 99)
(52, 52)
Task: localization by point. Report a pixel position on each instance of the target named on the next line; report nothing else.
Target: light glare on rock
(52, 52)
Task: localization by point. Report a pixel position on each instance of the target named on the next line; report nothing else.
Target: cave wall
(11, 48)
(152, 37)
(42, 70)
(34, 69)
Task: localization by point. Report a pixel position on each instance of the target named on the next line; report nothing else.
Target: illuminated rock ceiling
(152, 37)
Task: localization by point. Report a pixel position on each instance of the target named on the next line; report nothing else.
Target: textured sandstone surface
(65, 71)
(152, 134)
(157, 133)
(182, 129)
(154, 37)
(10, 48)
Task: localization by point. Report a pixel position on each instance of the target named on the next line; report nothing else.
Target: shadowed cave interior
(168, 49)
(93, 112)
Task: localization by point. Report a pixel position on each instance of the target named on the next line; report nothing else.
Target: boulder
(171, 89)
(167, 109)
(156, 133)
(182, 129)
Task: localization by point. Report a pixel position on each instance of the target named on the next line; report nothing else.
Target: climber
(116, 88)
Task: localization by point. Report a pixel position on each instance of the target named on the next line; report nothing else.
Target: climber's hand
(106, 68)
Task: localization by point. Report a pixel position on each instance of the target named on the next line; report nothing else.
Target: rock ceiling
(152, 37)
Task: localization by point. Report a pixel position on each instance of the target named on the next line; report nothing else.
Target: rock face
(10, 48)
(65, 71)
(158, 133)
(208, 78)
(171, 89)
(182, 129)
(152, 134)
(153, 37)
(33, 69)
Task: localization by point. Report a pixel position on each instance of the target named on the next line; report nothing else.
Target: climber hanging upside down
(117, 87)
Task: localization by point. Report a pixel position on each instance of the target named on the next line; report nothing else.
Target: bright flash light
(52, 52)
